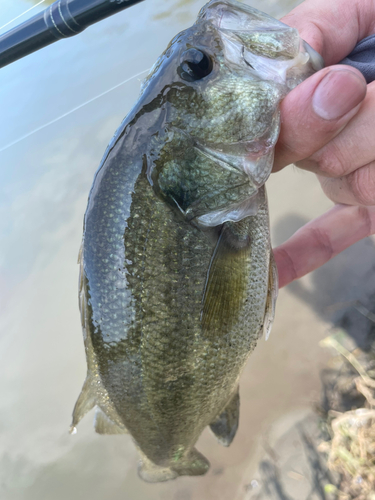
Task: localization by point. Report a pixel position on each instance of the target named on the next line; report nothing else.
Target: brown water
(45, 177)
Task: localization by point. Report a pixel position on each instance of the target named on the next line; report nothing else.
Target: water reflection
(44, 2)
(181, 10)
(44, 182)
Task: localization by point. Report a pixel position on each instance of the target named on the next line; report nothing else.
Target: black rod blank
(62, 19)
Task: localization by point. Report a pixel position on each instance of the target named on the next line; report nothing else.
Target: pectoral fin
(225, 426)
(225, 291)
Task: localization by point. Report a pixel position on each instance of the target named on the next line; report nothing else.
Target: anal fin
(226, 424)
(104, 425)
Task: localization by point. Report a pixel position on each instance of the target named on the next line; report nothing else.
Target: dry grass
(351, 451)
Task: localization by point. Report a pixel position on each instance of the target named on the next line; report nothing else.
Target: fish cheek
(171, 186)
(197, 185)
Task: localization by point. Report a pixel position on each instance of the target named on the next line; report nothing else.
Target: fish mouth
(286, 62)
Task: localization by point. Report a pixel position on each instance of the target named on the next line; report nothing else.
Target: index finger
(321, 239)
(333, 27)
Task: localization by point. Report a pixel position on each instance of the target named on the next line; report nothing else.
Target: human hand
(328, 127)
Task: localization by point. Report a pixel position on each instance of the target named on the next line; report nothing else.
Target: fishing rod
(66, 18)
(62, 19)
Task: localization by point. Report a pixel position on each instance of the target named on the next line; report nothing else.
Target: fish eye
(195, 65)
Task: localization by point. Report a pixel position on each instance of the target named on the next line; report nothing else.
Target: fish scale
(177, 279)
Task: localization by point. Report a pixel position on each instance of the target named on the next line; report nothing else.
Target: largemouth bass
(177, 278)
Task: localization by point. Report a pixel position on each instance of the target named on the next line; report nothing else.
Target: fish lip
(316, 60)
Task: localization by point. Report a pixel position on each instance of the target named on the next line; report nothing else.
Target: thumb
(315, 112)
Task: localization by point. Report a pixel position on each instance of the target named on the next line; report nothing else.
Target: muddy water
(54, 131)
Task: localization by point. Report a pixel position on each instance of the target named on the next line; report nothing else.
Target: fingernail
(338, 93)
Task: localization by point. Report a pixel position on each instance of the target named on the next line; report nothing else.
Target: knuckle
(323, 241)
(366, 220)
(362, 185)
(284, 154)
(331, 161)
(290, 147)
(288, 264)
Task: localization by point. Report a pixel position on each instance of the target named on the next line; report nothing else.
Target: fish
(177, 277)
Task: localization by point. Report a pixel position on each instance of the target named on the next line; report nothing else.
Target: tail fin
(194, 464)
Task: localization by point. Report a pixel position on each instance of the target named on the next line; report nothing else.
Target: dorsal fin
(88, 396)
(85, 402)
